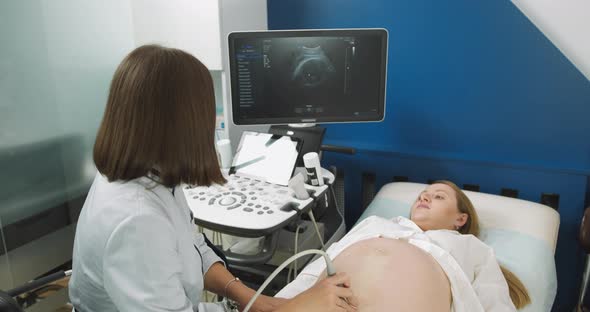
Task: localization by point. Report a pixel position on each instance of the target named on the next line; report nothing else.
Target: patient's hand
(325, 296)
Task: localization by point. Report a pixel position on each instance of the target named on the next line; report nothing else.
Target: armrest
(338, 149)
(8, 304)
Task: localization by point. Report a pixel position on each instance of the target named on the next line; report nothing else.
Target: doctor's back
(135, 247)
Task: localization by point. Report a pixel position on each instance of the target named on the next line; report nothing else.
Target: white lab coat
(136, 249)
(477, 283)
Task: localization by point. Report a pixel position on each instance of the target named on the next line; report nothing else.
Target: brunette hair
(160, 117)
(518, 293)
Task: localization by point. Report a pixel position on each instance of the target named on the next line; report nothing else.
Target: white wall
(238, 15)
(190, 25)
(201, 27)
(566, 23)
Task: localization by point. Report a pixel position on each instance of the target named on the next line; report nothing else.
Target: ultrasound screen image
(290, 79)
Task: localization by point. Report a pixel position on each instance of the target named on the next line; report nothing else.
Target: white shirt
(477, 283)
(136, 249)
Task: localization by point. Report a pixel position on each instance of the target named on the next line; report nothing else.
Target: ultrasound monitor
(308, 76)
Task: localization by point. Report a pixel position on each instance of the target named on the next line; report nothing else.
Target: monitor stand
(311, 135)
(302, 125)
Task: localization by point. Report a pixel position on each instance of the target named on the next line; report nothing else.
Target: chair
(8, 304)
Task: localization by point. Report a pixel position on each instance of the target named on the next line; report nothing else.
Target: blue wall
(476, 93)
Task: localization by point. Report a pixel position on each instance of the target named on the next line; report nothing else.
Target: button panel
(253, 197)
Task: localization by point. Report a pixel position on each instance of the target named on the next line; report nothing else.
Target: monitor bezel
(380, 115)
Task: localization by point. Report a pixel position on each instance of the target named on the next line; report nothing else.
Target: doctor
(136, 247)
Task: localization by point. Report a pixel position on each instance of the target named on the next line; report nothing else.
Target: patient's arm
(393, 275)
(490, 286)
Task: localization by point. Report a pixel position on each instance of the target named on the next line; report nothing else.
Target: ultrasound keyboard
(246, 206)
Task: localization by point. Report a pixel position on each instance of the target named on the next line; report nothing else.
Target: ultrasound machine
(256, 200)
(291, 80)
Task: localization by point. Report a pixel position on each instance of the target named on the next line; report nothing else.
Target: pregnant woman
(430, 262)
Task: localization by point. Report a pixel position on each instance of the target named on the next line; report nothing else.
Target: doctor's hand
(331, 294)
(265, 304)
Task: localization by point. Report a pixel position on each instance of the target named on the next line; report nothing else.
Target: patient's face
(436, 209)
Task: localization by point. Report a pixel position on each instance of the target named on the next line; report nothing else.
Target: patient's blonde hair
(518, 293)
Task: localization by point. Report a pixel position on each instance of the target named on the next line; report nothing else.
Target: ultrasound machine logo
(311, 67)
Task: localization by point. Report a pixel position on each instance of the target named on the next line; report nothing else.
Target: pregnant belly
(393, 275)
